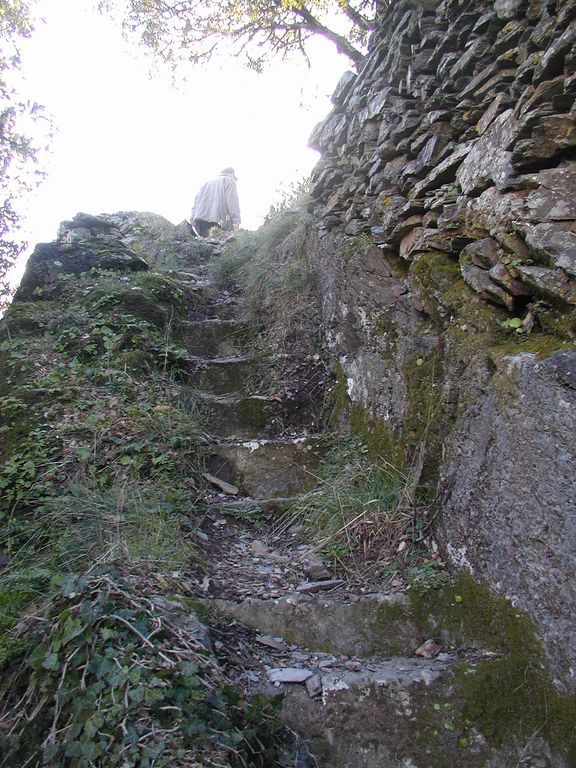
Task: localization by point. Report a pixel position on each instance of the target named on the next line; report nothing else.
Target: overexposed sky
(125, 141)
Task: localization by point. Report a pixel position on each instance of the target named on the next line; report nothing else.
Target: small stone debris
(353, 666)
(428, 650)
(309, 587)
(317, 572)
(314, 686)
(272, 642)
(231, 490)
(259, 548)
(289, 675)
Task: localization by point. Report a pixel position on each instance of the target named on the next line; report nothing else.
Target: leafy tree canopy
(254, 30)
(18, 154)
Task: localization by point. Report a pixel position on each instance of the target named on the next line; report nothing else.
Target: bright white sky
(125, 141)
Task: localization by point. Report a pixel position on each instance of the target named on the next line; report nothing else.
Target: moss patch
(508, 697)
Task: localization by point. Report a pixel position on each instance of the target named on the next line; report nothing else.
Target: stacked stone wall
(445, 201)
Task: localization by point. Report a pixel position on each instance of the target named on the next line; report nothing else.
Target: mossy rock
(27, 317)
(51, 261)
(508, 696)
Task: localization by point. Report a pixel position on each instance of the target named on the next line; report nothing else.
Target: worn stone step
(223, 375)
(253, 415)
(381, 717)
(212, 337)
(269, 468)
(205, 299)
(375, 625)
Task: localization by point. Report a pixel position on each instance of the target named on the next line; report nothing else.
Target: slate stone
(508, 9)
(276, 643)
(480, 282)
(483, 253)
(343, 88)
(500, 275)
(49, 260)
(289, 675)
(488, 161)
(554, 244)
(555, 197)
(314, 686)
(552, 135)
(563, 364)
(443, 172)
(309, 587)
(549, 283)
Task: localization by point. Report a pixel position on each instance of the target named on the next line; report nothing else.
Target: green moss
(163, 289)
(380, 441)
(434, 274)
(422, 425)
(25, 316)
(558, 322)
(200, 608)
(339, 396)
(510, 696)
(385, 327)
(540, 344)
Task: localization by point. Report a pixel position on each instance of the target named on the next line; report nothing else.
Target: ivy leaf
(512, 322)
(51, 661)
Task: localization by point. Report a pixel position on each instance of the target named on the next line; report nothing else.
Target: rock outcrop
(446, 252)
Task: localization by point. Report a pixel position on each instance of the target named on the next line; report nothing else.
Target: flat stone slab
(239, 416)
(212, 337)
(375, 625)
(310, 587)
(289, 675)
(373, 718)
(222, 375)
(276, 643)
(269, 468)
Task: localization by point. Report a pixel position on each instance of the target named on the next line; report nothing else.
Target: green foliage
(427, 576)
(99, 465)
(253, 31)
(18, 153)
(356, 245)
(118, 680)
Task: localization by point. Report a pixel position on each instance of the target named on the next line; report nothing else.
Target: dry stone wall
(446, 248)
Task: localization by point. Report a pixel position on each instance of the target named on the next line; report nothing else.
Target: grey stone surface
(268, 468)
(378, 624)
(488, 161)
(511, 463)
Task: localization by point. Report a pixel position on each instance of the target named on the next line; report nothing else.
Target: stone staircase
(362, 681)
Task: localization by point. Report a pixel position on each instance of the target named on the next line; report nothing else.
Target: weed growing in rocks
(362, 511)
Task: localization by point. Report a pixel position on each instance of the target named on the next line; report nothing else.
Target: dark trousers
(203, 227)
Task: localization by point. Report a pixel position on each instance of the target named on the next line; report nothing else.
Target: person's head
(228, 171)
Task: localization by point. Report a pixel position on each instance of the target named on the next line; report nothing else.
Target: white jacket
(217, 201)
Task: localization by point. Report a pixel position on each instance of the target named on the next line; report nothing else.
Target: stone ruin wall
(445, 201)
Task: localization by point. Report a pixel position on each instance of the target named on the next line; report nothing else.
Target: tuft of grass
(362, 507)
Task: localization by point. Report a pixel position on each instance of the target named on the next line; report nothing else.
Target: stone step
(212, 337)
(269, 468)
(206, 299)
(243, 416)
(375, 625)
(278, 504)
(222, 375)
(391, 714)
